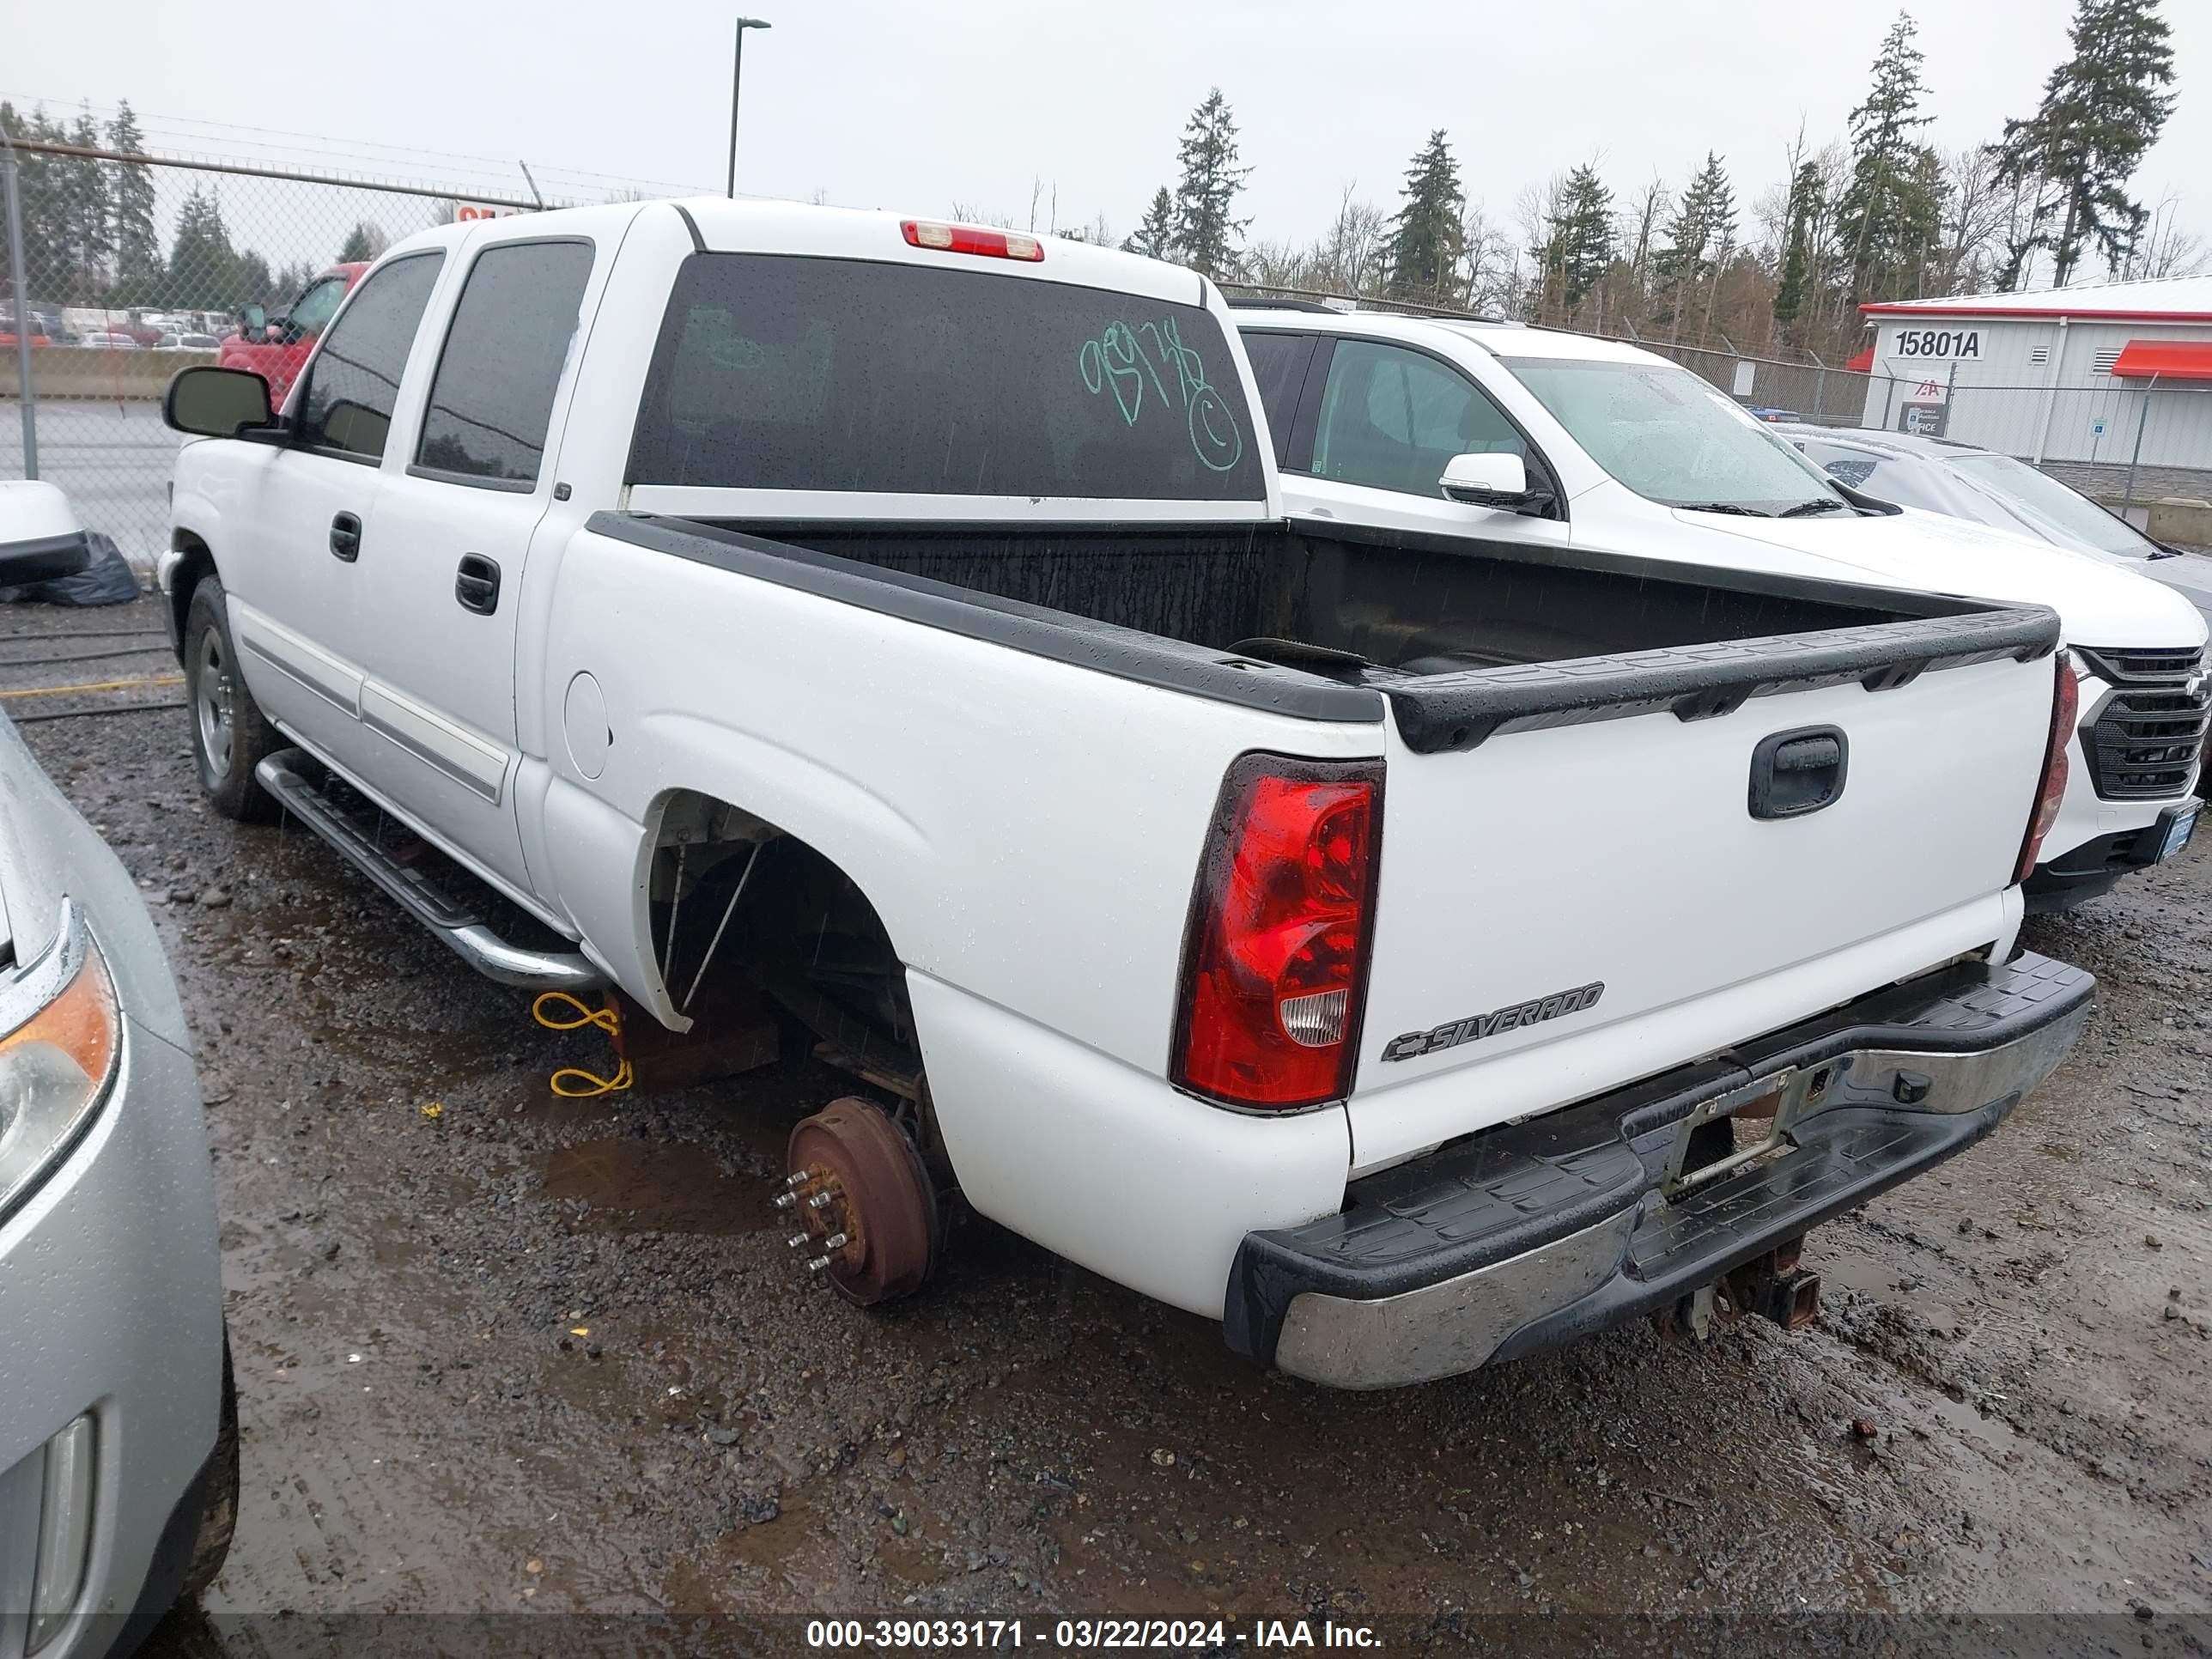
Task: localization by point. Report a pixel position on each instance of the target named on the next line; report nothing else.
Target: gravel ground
(504, 1353)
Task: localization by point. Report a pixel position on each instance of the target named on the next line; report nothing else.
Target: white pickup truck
(1603, 446)
(1408, 958)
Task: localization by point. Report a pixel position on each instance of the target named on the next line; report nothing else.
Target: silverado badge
(1510, 1018)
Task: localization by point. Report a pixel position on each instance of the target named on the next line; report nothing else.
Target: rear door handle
(345, 537)
(475, 584)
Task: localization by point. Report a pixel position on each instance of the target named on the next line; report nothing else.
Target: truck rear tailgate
(1587, 890)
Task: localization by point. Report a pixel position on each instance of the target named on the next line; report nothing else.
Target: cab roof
(718, 225)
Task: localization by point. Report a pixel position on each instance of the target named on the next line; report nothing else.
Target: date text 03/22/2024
(1072, 1635)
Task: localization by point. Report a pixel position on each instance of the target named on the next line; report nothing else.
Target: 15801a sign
(1960, 342)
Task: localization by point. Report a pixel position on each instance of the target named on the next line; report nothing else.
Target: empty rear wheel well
(733, 893)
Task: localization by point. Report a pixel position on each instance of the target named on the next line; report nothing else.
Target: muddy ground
(501, 1352)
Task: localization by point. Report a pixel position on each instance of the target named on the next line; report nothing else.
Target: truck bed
(1464, 639)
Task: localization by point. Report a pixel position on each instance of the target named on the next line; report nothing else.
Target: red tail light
(1276, 958)
(971, 239)
(2065, 707)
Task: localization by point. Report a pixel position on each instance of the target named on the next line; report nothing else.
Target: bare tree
(1975, 206)
(1535, 211)
(2163, 248)
(1280, 265)
(1487, 266)
(1348, 259)
(1639, 224)
(1097, 232)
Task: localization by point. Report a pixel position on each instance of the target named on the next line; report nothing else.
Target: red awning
(2170, 360)
(1863, 363)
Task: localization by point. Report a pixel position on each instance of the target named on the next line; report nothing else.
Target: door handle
(475, 584)
(1794, 773)
(345, 537)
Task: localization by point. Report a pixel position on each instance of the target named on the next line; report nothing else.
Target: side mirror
(216, 402)
(44, 540)
(253, 323)
(1496, 479)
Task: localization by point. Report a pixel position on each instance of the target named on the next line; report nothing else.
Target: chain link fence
(132, 267)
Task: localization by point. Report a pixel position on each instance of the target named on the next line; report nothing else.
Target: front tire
(230, 737)
(219, 1519)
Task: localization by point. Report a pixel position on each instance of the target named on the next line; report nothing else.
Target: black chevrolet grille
(2129, 665)
(2146, 734)
(2145, 742)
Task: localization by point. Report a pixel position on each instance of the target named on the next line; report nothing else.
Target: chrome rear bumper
(1526, 1236)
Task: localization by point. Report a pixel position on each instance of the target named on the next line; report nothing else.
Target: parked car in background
(274, 347)
(1964, 481)
(10, 337)
(1563, 440)
(189, 343)
(109, 340)
(119, 1420)
(1243, 909)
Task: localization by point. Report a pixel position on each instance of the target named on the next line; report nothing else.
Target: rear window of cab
(777, 371)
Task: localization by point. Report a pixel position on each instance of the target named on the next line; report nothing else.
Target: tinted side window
(1391, 418)
(492, 400)
(315, 307)
(774, 372)
(354, 377)
(1278, 367)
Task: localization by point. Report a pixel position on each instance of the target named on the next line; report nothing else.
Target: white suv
(1562, 441)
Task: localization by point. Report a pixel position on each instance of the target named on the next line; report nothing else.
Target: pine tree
(202, 270)
(1792, 291)
(48, 261)
(85, 229)
(1154, 236)
(1889, 209)
(2102, 110)
(1699, 238)
(130, 214)
(364, 242)
(1206, 229)
(1424, 250)
(1578, 243)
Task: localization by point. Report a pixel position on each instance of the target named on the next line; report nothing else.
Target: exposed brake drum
(866, 1207)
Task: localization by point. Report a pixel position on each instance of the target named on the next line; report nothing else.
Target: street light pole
(736, 75)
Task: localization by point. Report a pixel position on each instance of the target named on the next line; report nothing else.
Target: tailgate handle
(1794, 773)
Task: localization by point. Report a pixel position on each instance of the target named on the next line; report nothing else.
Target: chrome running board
(417, 894)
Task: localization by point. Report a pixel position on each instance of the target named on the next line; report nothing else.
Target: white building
(2081, 373)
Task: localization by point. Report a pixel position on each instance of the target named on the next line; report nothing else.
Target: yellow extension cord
(97, 685)
(570, 1082)
(608, 1021)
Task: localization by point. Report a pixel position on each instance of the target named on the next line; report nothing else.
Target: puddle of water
(635, 1186)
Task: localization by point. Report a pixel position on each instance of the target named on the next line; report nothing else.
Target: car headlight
(62, 1038)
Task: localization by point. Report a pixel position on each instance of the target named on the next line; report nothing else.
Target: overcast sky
(914, 106)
